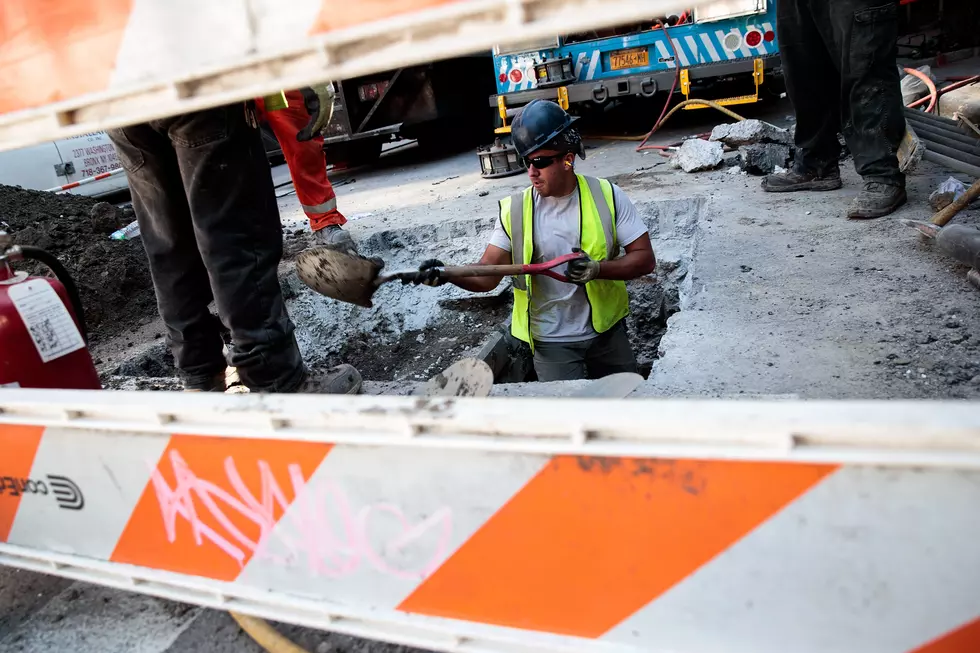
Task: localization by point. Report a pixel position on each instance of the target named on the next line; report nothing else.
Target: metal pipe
(955, 164)
(970, 158)
(962, 242)
(945, 125)
(947, 138)
(919, 115)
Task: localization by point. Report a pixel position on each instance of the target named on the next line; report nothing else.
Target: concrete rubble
(764, 158)
(963, 101)
(696, 155)
(748, 132)
(762, 146)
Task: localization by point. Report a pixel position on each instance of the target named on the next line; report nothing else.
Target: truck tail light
(753, 38)
(769, 36)
(516, 76)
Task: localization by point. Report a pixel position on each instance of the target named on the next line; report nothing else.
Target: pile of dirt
(112, 276)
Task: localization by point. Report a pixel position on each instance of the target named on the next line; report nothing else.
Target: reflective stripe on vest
(607, 299)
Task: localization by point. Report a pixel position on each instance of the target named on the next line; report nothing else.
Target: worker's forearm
(477, 284)
(631, 266)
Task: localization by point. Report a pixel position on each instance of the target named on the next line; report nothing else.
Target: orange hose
(952, 87)
(933, 93)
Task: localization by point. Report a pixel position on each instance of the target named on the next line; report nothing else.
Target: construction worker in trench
(297, 118)
(576, 329)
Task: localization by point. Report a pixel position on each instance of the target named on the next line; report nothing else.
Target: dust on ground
(112, 276)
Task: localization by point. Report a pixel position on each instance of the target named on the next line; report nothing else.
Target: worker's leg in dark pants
(560, 361)
(180, 279)
(811, 66)
(844, 52)
(610, 353)
(871, 98)
(204, 197)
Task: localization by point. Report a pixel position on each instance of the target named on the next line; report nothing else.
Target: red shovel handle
(546, 267)
(512, 270)
(463, 271)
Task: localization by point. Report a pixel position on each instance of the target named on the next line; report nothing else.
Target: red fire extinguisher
(43, 342)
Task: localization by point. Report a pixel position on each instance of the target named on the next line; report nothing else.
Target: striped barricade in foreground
(514, 524)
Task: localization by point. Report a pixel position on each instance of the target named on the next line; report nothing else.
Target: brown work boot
(215, 384)
(793, 180)
(875, 200)
(338, 380)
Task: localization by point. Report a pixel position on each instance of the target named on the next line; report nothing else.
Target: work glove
(430, 273)
(582, 270)
(318, 100)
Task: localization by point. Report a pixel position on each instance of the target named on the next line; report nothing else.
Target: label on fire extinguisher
(47, 320)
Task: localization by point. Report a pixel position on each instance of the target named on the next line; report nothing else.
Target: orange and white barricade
(515, 524)
(71, 68)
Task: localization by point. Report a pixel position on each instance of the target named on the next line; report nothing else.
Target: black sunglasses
(541, 162)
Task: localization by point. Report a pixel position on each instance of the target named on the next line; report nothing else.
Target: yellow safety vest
(608, 299)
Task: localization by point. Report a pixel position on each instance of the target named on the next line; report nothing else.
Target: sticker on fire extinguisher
(47, 320)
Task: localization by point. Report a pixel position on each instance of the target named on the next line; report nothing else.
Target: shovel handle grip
(463, 271)
(544, 268)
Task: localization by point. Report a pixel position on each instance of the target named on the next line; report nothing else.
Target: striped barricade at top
(71, 68)
(514, 525)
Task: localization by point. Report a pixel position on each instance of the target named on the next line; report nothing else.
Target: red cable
(677, 75)
(952, 87)
(933, 94)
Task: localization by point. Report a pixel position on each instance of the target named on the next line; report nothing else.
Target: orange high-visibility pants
(307, 164)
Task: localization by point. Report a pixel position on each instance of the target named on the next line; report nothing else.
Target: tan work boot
(333, 237)
(216, 384)
(876, 200)
(338, 380)
(794, 180)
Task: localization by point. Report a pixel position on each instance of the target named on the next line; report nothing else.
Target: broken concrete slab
(764, 158)
(747, 132)
(963, 101)
(696, 155)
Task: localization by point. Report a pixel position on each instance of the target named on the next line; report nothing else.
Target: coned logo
(65, 492)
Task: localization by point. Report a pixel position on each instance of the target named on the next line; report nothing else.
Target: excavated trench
(411, 332)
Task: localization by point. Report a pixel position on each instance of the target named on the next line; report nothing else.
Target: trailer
(432, 103)
(729, 44)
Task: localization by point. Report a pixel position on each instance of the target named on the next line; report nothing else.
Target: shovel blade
(337, 275)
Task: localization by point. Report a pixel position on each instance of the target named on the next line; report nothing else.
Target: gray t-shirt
(560, 311)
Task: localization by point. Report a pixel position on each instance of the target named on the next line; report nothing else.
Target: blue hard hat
(539, 123)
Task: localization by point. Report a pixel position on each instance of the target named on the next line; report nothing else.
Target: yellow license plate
(635, 58)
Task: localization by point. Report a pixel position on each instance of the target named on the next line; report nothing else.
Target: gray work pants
(207, 211)
(608, 353)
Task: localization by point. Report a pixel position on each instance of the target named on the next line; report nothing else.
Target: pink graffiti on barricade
(323, 528)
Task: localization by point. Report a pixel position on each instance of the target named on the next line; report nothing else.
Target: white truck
(53, 164)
